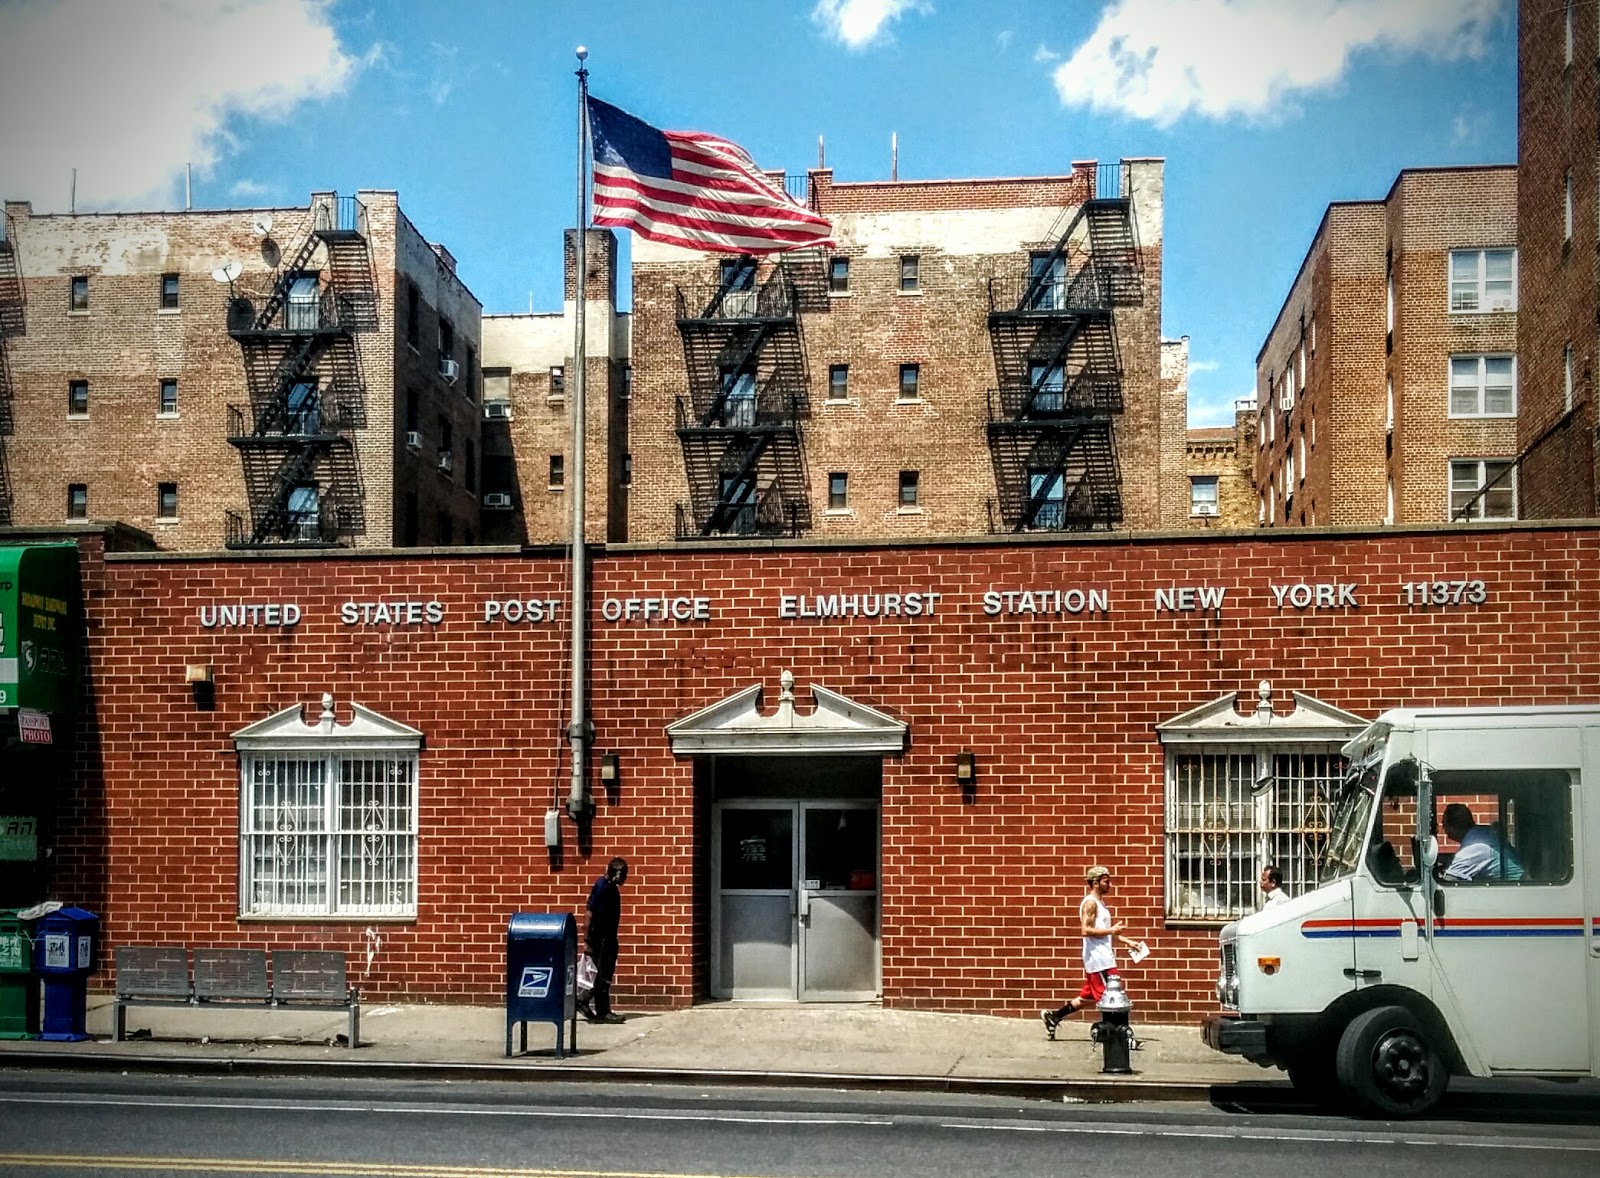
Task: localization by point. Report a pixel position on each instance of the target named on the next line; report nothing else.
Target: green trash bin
(19, 985)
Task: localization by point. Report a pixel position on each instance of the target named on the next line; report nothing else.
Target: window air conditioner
(498, 500)
(444, 460)
(449, 369)
(1203, 509)
(739, 303)
(413, 439)
(497, 409)
(1286, 400)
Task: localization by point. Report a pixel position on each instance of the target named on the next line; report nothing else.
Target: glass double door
(794, 894)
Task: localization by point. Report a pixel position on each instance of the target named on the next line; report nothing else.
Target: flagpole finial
(583, 53)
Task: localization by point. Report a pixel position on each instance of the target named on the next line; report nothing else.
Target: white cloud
(856, 24)
(1044, 55)
(249, 189)
(130, 92)
(1204, 365)
(1163, 59)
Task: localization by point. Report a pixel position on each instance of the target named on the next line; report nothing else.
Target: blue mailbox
(65, 952)
(541, 975)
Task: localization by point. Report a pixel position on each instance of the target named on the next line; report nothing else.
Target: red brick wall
(977, 897)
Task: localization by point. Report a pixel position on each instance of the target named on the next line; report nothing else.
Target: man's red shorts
(1094, 987)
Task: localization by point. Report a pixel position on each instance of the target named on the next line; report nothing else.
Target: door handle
(1438, 901)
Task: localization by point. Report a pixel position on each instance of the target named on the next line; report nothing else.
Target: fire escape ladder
(740, 421)
(302, 470)
(1115, 249)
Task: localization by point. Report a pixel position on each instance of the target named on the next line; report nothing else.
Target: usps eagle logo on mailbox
(535, 981)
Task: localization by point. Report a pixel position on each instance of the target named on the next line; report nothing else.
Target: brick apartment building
(1557, 210)
(1387, 389)
(1221, 461)
(527, 426)
(253, 378)
(976, 356)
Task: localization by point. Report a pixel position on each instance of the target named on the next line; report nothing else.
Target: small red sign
(33, 727)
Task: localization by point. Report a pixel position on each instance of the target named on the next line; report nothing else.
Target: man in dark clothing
(600, 939)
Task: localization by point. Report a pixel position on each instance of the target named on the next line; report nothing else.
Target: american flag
(691, 189)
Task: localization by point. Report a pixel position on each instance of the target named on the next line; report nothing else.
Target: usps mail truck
(1455, 928)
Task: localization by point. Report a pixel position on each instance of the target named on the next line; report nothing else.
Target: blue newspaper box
(65, 952)
(541, 975)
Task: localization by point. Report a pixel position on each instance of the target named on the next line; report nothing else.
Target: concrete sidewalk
(734, 1043)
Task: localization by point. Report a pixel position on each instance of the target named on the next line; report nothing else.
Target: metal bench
(223, 978)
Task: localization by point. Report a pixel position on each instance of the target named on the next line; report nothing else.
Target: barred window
(1233, 809)
(330, 835)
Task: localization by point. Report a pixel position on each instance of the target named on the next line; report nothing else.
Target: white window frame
(1204, 494)
(331, 843)
(1566, 208)
(1566, 377)
(1481, 475)
(1481, 386)
(1456, 300)
(1242, 791)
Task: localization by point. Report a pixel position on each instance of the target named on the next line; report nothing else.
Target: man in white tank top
(1099, 960)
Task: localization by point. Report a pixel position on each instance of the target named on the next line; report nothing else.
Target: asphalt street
(94, 1125)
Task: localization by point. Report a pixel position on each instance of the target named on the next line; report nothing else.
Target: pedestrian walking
(1272, 885)
(1099, 956)
(600, 939)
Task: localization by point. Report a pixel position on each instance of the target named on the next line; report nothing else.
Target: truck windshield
(1347, 839)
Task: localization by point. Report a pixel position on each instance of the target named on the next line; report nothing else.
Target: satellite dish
(227, 272)
(262, 225)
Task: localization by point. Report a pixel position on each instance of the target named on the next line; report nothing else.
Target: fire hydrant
(1112, 1032)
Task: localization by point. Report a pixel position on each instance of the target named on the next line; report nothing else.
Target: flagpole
(579, 804)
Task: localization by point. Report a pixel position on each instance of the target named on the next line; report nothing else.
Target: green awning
(41, 627)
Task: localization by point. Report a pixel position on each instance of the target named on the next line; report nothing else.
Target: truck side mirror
(1428, 852)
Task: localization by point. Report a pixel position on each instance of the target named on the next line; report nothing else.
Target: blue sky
(1265, 111)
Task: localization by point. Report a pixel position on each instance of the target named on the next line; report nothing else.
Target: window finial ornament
(1264, 700)
(326, 719)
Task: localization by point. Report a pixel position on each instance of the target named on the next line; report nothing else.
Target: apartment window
(413, 413)
(838, 491)
(496, 392)
(558, 470)
(1047, 281)
(169, 398)
(78, 300)
(839, 275)
(166, 500)
(1302, 456)
(1483, 280)
(1483, 386)
(838, 382)
(909, 278)
(78, 501)
(305, 512)
(1388, 306)
(169, 292)
(471, 372)
(910, 382)
(78, 398)
(447, 340)
(470, 467)
(446, 435)
(1568, 33)
(413, 315)
(1046, 388)
(1047, 500)
(558, 381)
(304, 409)
(910, 488)
(1566, 208)
(627, 383)
(1388, 502)
(1469, 477)
(1566, 376)
(331, 832)
(303, 308)
(1388, 424)
(444, 528)
(409, 527)
(1203, 494)
(627, 470)
(1232, 808)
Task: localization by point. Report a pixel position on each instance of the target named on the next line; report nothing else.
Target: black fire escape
(307, 395)
(13, 321)
(740, 422)
(1052, 421)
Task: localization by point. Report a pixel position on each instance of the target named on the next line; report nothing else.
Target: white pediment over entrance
(291, 731)
(837, 725)
(1310, 720)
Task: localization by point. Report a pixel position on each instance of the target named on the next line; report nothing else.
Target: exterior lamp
(966, 769)
(608, 768)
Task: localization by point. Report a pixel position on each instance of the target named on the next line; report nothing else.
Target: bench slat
(153, 971)
(237, 974)
(309, 975)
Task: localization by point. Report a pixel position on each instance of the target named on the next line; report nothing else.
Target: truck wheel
(1386, 1065)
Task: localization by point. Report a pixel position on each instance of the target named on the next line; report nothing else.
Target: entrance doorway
(794, 900)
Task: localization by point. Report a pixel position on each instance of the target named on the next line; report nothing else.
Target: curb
(1087, 1091)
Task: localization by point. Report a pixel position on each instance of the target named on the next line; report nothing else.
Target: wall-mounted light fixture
(202, 682)
(608, 768)
(966, 768)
